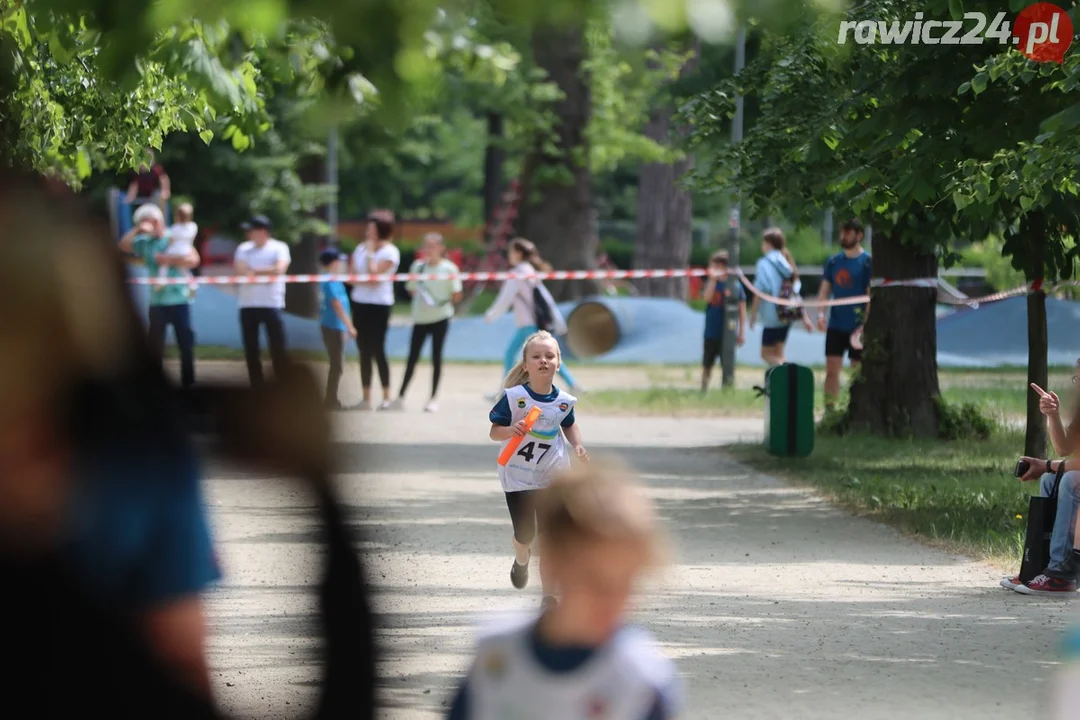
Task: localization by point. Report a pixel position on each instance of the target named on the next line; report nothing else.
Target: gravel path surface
(778, 606)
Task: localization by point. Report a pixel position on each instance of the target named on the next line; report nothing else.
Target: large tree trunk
(494, 157)
(665, 212)
(896, 391)
(556, 199)
(303, 298)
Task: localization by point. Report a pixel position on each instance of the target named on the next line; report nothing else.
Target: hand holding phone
(1021, 469)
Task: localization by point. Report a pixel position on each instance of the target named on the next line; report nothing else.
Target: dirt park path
(779, 606)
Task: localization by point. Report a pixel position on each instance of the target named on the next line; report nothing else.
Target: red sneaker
(1046, 585)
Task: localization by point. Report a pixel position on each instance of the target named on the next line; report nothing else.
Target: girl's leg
(416, 345)
(381, 323)
(438, 338)
(523, 518)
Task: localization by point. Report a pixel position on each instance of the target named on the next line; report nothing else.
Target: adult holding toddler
(150, 242)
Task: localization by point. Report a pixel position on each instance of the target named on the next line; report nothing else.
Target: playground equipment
(120, 210)
(600, 323)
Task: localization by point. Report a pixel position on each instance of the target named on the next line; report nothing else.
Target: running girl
(580, 659)
(543, 453)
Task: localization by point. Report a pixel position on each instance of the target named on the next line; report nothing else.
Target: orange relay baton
(508, 451)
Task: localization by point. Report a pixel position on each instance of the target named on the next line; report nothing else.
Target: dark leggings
(371, 322)
(522, 514)
(437, 331)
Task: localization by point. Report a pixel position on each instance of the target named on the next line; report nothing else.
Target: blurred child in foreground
(579, 658)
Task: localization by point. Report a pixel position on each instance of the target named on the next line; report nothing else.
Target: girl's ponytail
(775, 237)
(518, 375)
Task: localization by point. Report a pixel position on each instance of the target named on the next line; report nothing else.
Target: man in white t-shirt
(262, 303)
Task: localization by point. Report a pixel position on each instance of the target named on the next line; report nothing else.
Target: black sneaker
(548, 603)
(519, 575)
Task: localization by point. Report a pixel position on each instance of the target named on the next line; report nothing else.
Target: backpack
(787, 313)
(545, 320)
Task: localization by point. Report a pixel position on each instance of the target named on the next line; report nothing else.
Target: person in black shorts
(718, 288)
(846, 274)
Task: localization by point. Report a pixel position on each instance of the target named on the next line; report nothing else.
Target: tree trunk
(897, 388)
(1034, 228)
(303, 298)
(664, 217)
(556, 197)
(665, 211)
(494, 158)
(1035, 434)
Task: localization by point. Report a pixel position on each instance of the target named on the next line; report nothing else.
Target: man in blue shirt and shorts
(847, 274)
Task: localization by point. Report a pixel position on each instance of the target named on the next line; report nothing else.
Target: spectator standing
(335, 322)
(718, 288)
(261, 304)
(520, 295)
(432, 309)
(847, 274)
(373, 301)
(775, 274)
(150, 242)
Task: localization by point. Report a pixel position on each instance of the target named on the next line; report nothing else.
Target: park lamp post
(731, 311)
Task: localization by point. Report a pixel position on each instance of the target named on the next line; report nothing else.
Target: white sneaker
(364, 405)
(1011, 583)
(431, 407)
(398, 404)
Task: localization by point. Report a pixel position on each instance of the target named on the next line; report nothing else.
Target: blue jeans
(1062, 539)
(513, 354)
(179, 316)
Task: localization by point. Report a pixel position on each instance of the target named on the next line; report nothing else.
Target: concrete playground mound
(663, 331)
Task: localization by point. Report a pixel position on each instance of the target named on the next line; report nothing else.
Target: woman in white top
(518, 295)
(372, 301)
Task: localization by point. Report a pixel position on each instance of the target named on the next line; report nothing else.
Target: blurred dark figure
(82, 394)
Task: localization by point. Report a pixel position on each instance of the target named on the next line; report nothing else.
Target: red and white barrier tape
(927, 283)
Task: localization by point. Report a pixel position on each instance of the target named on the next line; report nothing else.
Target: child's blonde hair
(518, 375)
(185, 212)
(600, 500)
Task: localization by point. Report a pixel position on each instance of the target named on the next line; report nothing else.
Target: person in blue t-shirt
(335, 322)
(847, 274)
(718, 288)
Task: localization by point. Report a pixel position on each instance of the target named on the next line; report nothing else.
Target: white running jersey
(622, 680)
(542, 452)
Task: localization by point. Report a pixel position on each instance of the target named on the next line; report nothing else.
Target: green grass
(956, 495)
(737, 402)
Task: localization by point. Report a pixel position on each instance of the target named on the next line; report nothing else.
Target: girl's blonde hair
(775, 237)
(518, 375)
(600, 500)
(530, 254)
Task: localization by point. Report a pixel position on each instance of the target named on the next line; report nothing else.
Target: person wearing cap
(149, 241)
(372, 302)
(335, 322)
(262, 303)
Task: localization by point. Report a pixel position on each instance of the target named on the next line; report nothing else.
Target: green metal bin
(789, 411)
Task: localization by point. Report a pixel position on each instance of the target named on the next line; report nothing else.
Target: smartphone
(1021, 468)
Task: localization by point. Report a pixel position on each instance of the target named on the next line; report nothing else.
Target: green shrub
(963, 421)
